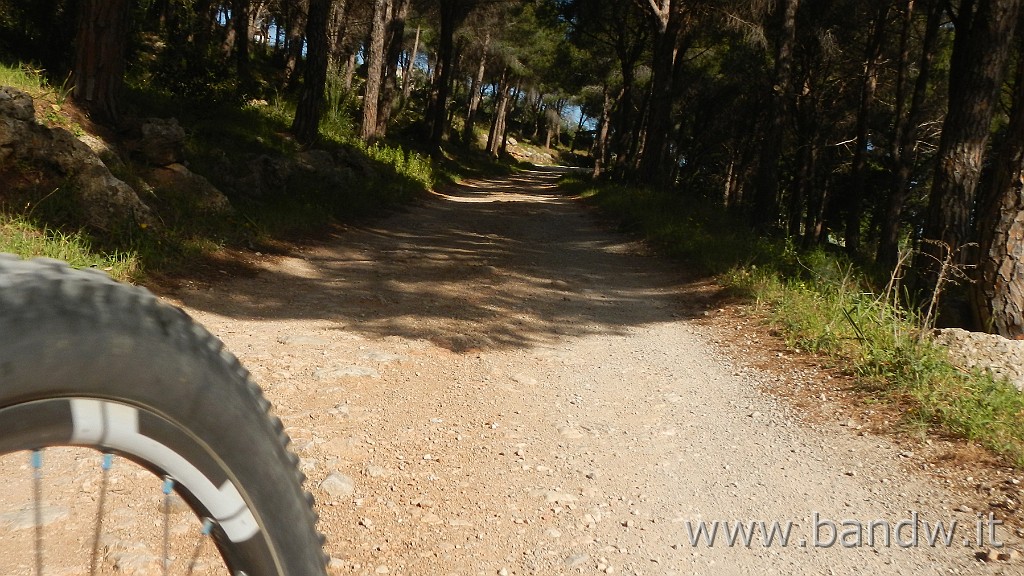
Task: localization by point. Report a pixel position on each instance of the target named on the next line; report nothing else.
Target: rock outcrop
(1002, 357)
(106, 203)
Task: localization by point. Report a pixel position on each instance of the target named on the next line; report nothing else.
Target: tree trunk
(817, 201)
(907, 125)
(392, 54)
(295, 25)
(980, 51)
(203, 26)
(409, 67)
(766, 199)
(997, 295)
(339, 33)
(804, 190)
(624, 130)
(667, 48)
(601, 139)
(494, 136)
(858, 170)
(474, 92)
(576, 134)
(514, 99)
(240, 27)
(374, 69)
(452, 13)
(306, 125)
(549, 128)
(100, 57)
(350, 71)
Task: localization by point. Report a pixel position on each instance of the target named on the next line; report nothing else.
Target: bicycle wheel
(85, 361)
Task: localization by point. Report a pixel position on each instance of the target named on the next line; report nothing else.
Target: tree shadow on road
(487, 264)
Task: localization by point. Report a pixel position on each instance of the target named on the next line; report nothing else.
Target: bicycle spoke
(205, 533)
(37, 490)
(108, 461)
(168, 487)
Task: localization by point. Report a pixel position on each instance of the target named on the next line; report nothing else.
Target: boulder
(177, 179)
(266, 176)
(1001, 357)
(162, 142)
(16, 105)
(106, 202)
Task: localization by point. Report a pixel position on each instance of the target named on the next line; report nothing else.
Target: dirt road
(494, 383)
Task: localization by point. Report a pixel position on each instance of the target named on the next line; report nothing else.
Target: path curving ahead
(492, 382)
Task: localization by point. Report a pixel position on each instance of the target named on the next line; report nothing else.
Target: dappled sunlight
(490, 264)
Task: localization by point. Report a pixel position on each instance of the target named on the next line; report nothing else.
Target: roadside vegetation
(37, 218)
(826, 305)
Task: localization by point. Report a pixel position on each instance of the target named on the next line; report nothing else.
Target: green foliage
(684, 227)
(24, 78)
(837, 316)
(223, 139)
(338, 122)
(823, 304)
(20, 236)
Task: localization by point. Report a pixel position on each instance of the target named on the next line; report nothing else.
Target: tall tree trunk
(576, 134)
(395, 37)
(513, 102)
(338, 34)
(804, 190)
(817, 201)
(984, 35)
(474, 91)
(374, 69)
(602, 138)
(906, 127)
(203, 26)
(100, 57)
(997, 295)
(625, 129)
(410, 65)
(240, 27)
(349, 71)
(670, 29)
(549, 126)
(296, 23)
(858, 170)
(306, 125)
(766, 199)
(494, 135)
(452, 13)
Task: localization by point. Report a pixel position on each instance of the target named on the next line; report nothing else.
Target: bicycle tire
(86, 361)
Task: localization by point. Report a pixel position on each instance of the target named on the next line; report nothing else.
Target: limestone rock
(177, 179)
(162, 142)
(1002, 357)
(16, 105)
(106, 202)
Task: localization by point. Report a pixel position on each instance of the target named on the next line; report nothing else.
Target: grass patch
(827, 306)
(683, 227)
(24, 78)
(26, 239)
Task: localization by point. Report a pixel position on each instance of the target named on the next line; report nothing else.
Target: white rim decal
(117, 426)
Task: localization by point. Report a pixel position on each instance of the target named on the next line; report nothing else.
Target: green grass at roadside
(23, 78)
(826, 306)
(26, 239)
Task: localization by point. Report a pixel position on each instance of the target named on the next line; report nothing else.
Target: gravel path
(494, 383)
